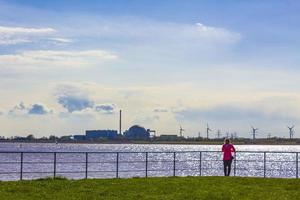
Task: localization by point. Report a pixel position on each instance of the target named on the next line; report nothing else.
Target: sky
(70, 66)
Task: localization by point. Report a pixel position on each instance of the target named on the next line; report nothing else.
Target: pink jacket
(227, 149)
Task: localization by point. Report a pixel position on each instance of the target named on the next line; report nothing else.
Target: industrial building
(137, 133)
(79, 137)
(96, 134)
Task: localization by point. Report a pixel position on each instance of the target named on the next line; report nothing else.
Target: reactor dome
(137, 132)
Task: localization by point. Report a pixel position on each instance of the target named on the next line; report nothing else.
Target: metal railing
(30, 165)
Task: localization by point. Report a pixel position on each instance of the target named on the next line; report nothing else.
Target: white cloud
(51, 59)
(143, 32)
(11, 41)
(22, 30)
(16, 35)
(160, 110)
(216, 33)
(146, 120)
(105, 108)
(19, 109)
(73, 98)
(157, 44)
(39, 109)
(76, 99)
(75, 103)
(61, 40)
(34, 109)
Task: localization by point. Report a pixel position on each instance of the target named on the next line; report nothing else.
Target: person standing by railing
(227, 149)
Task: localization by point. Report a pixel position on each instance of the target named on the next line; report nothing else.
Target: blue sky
(74, 64)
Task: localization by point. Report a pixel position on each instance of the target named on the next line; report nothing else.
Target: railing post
(297, 165)
(264, 164)
(86, 164)
(117, 169)
(146, 164)
(54, 165)
(174, 163)
(234, 162)
(21, 170)
(200, 163)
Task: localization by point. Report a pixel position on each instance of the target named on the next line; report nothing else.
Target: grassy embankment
(187, 188)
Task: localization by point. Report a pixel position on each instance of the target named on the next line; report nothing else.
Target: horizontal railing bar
(24, 162)
(141, 170)
(142, 161)
(165, 161)
(38, 172)
(94, 162)
(261, 160)
(152, 161)
(160, 170)
(245, 169)
(74, 172)
(101, 171)
(67, 172)
(187, 160)
(139, 152)
(134, 161)
(212, 161)
(188, 169)
(203, 168)
(267, 160)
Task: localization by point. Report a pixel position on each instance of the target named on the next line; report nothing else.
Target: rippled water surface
(103, 161)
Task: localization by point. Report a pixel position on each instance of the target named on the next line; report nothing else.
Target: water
(137, 147)
(132, 162)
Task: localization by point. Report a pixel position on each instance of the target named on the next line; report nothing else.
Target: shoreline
(155, 142)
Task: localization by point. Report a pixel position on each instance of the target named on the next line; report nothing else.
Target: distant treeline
(170, 139)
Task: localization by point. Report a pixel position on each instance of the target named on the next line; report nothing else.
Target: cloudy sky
(68, 66)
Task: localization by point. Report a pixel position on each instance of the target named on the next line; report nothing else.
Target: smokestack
(120, 123)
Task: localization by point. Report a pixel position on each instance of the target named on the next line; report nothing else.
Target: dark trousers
(227, 167)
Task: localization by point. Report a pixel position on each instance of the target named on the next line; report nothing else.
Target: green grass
(186, 188)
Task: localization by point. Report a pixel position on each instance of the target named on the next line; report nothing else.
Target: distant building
(137, 133)
(64, 138)
(96, 134)
(79, 137)
(168, 137)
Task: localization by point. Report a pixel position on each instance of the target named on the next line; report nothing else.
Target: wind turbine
(235, 135)
(199, 134)
(181, 130)
(207, 131)
(254, 132)
(291, 131)
(269, 135)
(218, 134)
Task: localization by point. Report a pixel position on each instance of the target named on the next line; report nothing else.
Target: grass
(186, 188)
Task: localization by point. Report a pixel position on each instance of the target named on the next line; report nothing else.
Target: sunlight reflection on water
(103, 165)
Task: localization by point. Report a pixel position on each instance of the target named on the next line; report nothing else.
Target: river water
(102, 161)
